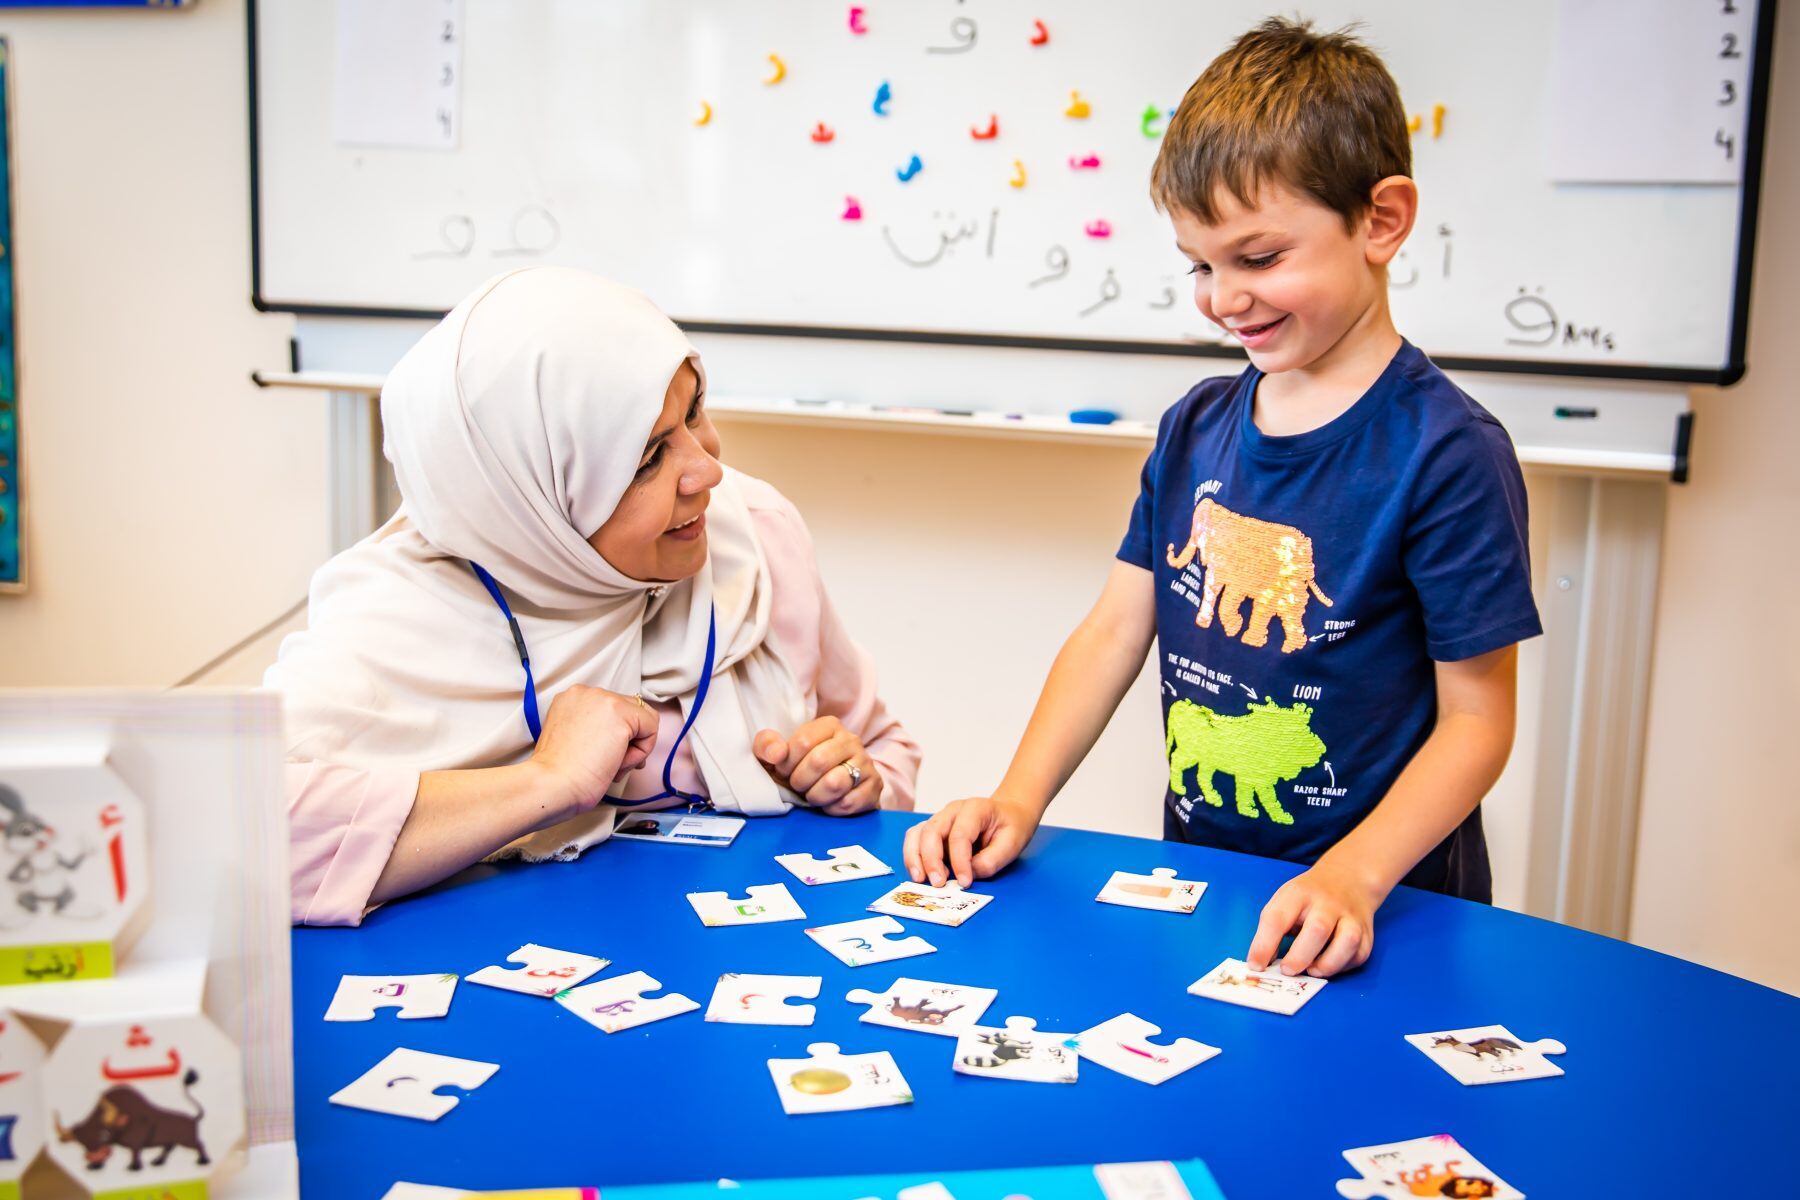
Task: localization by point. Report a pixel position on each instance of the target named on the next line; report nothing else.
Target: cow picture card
(152, 1102)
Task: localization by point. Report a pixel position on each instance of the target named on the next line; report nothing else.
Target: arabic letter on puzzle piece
(1235, 983)
(1158, 890)
(919, 1004)
(1427, 1166)
(543, 971)
(947, 905)
(612, 1005)
(846, 863)
(759, 999)
(410, 996)
(1488, 1054)
(1019, 1051)
(1123, 1044)
(763, 903)
(406, 1083)
(830, 1081)
(859, 943)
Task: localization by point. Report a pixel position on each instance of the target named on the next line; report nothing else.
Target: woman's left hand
(815, 761)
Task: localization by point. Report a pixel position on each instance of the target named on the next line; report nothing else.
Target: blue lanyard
(533, 723)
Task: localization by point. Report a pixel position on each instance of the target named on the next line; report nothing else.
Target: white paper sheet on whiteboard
(1650, 91)
(398, 78)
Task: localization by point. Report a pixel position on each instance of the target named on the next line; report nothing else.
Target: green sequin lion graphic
(1269, 744)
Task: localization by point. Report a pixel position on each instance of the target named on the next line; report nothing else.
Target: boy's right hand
(970, 839)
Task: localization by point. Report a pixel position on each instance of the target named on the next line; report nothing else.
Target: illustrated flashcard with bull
(74, 870)
(141, 1103)
(22, 1124)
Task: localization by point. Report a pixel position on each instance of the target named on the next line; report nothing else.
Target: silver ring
(855, 775)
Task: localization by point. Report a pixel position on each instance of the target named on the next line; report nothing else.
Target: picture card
(680, 829)
(1427, 1166)
(1017, 1051)
(1235, 983)
(846, 863)
(947, 905)
(1488, 1054)
(759, 999)
(1158, 890)
(830, 1081)
(1123, 1044)
(919, 1004)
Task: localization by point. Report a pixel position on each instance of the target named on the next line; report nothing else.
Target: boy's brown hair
(1315, 111)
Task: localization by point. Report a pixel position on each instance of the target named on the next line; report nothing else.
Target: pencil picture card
(1235, 983)
(616, 1004)
(763, 903)
(1017, 1051)
(1159, 890)
(1488, 1054)
(1123, 1044)
(1427, 1166)
(924, 1006)
(406, 1084)
(409, 997)
(859, 943)
(947, 905)
(831, 1081)
(846, 863)
(542, 970)
(740, 999)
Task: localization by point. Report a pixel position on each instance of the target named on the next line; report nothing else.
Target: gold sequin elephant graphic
(1270, 564)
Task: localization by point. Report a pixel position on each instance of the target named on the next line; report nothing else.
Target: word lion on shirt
(1270, 564)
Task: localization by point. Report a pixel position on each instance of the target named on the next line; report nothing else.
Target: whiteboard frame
(1727, 374)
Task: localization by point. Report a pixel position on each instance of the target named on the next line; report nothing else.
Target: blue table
(1673, 1070)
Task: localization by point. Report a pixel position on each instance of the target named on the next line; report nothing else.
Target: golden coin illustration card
(830, 1081)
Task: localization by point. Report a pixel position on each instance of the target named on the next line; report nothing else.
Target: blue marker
(883, 95)
(913, 167)
(1093, 416)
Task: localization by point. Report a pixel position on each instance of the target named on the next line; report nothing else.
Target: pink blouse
(343, 821)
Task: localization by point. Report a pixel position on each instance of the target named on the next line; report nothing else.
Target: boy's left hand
(1331, 912)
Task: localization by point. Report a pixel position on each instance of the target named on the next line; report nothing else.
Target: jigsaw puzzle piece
(543, 971)
(615, 1004)
(406, 1083)
(1427, 1166)
(946, 905)
(858, 943)
(415, 996)
(758, 999)
(1158, 890)
(1488, 1054)
(1123, 1044)
(763, 903)
(1019, 1051)
(919, 1004)
(830, 1081)
(846, 863)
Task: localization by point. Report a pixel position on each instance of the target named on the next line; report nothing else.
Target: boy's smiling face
(1287, 279)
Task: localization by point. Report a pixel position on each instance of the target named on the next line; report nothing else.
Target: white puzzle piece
(542, 970)
(1141, 1181)
(1123, 1044)
(406, 1084)
(859, 943)
(833, 1082)
(1427, 1166)
(23, 1128)
(947, 905)
(615, 1004)
(946, 1008)
(846, 863)
(1159, 890)
(1018, 1051)
(1235, 983)
(762, 903)
(411, 996)
(758, 999)
(1489, 1054)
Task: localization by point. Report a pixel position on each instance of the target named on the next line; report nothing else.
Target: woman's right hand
(591, 737)
(970, 839)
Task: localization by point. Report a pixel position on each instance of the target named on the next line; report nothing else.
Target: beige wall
(171, 505)
(174, 507)
(1718, 875)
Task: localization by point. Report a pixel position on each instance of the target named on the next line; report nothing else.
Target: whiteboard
(573, 135)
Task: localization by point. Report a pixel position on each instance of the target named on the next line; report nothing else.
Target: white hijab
(515, 427)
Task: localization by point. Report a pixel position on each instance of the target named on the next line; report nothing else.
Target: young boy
(1368, 515)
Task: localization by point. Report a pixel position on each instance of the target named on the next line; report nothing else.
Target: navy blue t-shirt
(1304, 587)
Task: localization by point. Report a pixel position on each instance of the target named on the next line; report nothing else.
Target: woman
(567, 539)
